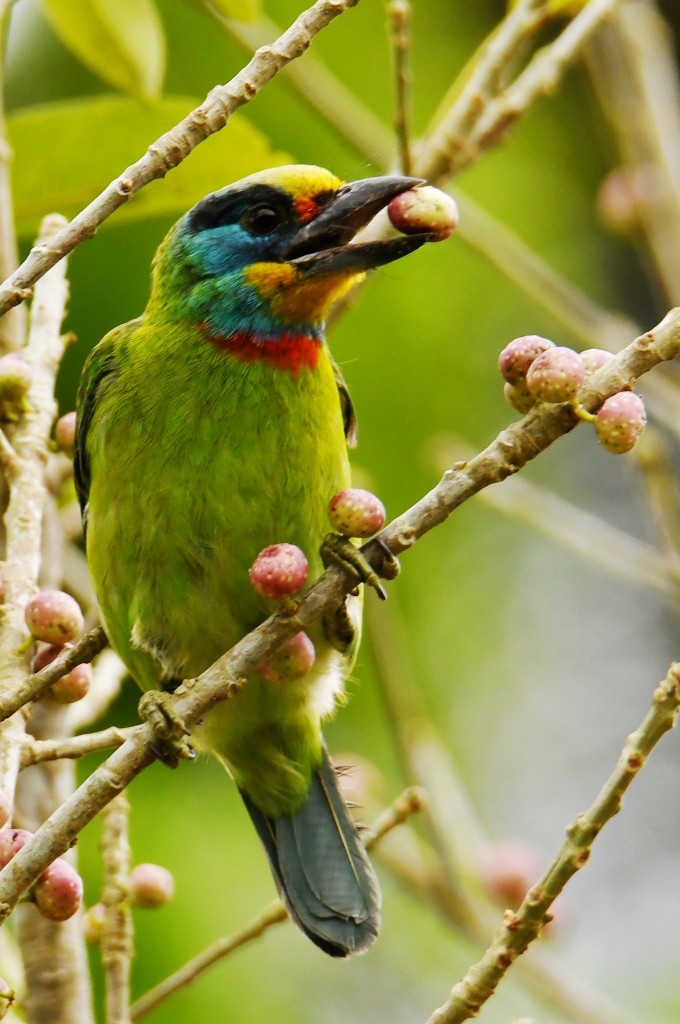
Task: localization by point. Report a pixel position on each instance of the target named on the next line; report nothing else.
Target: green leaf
(239, 10)
(87, 143)
(121, 41)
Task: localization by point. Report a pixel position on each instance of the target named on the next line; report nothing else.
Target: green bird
(215, 425)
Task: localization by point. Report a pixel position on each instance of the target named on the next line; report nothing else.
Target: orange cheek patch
(306, 208)
(295, 298)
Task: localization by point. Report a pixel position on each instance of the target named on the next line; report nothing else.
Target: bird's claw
(157, 708)
(339, 550)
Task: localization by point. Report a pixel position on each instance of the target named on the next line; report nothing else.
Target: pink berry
(150, 885)
(620, 422)
(11, 841)
(424, 209)
(54, 617)
(15, 377)
(556, 375)
(8, 998)
(73, 686)
(291, 661)
(93, 922)
(279, 571)
(507, 869)
(59, 891)
(69, 688)
(356, 513)
(519, 354)
(595, 359)
(65, 432)
(519, 397)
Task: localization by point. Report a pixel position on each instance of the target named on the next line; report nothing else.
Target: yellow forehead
(299, 180)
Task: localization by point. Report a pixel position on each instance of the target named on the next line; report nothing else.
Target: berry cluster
(149, 886)
(55, 619)
(58, 892)
(537, 370)
(280, 571)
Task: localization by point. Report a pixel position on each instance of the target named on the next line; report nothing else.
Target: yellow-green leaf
(87, 143)
(121, 41)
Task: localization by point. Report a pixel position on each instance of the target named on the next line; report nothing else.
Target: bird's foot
(338, 550)
(340, 628)
(172, 746)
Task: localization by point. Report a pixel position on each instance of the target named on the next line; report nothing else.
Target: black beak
(322, 245)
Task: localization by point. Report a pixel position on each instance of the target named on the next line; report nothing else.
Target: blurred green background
(533, 663)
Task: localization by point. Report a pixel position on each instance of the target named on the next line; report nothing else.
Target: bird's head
(270, 254)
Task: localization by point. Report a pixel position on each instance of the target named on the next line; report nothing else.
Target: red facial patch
(289, 352)
(306, 207)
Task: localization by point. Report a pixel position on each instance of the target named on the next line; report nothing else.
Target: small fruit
(65, 432)
(73, 686)
(150, 885)
(620, 422)
(507, 869)
(518, 355)
(54, 617)
(291, 661)
(279, 571)
(59, 891)
(11, 841)
(519, 397)
(556, 375)
(595, 359)
(424, 209)
(355, 512)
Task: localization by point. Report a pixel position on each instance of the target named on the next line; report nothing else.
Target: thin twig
(399, 14)
(576, 529)
(408, 803)
(38, 751)
(30, 687)
(174, 146)
(521, 927)
(117, 935)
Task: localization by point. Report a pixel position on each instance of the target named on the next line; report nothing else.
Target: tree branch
(170, 149)
(513, 448)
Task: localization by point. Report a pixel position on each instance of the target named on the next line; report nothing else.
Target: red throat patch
(289, 352)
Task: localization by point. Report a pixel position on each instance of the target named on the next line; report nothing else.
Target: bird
(214, 425)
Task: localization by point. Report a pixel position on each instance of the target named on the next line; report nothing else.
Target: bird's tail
(321, 868)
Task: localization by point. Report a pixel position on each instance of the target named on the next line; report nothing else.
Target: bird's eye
(262, 220)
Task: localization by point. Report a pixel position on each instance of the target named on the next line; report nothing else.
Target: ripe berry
(71, 687)
(595, 358)
(356, 513)
(59, 891)
(150, 885)
(65, 432)
(279, 571)
(291, 661)
(519, 397)
(507, 869)
(519, 354)
(620, 422)
(424, 209)
(54, 617)
(556, 375)
(11, 841)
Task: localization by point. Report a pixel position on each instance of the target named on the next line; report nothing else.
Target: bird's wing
(348, 415)
(99, 366)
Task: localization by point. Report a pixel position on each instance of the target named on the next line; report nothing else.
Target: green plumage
(209, 428)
